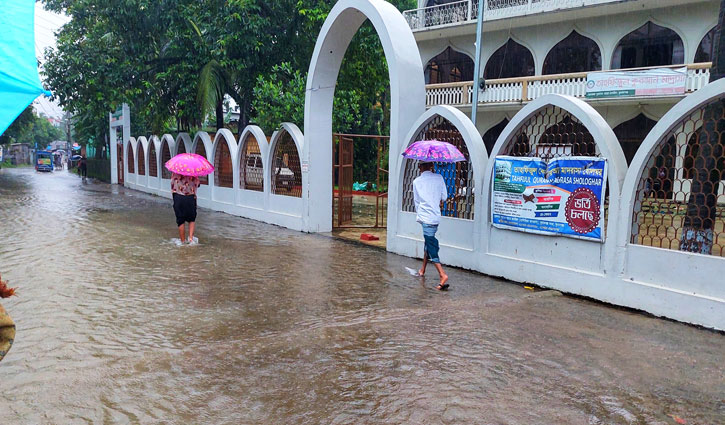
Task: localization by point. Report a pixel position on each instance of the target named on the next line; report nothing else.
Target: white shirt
(429, 189)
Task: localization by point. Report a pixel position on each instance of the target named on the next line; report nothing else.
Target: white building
(537, 47)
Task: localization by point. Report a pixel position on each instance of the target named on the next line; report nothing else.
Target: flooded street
(259, 324)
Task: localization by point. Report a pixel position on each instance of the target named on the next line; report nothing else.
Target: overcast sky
(46, 24)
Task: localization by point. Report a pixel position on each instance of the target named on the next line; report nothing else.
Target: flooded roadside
(260, 324)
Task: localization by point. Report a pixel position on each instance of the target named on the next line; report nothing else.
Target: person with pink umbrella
(429, 191)
(186, 169)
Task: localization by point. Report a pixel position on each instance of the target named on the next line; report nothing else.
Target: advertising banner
(562, 197)
(651, 82)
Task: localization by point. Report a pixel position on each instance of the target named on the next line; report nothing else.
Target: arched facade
(449, 66)
(224, 149)
(168, 145)
(509, 61)
(130, 158)
(183, 143)
(704, 51)
(203, 146)
(575, 53)
(407, 88)
(649, 45)
(285, 168)
(651, 229)
(251, 158)
(153, 158)
(141, 148)
(559, 126)
(492, 134)
(462, 211)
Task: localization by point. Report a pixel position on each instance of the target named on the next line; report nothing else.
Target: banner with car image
(563, 196)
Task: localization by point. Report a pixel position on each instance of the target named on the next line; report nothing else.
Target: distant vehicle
(253, 172)
(43, 161)
(283, 176)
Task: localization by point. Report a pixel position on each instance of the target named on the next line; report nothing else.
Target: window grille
(129, 155)
(251, 166)
(165, 157)
(141, 161)
(201, 150)
(286, 169)
(458, 176)
(223, 174)
(153, 163)
(688, 161)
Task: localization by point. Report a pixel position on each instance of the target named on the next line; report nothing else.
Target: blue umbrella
(19, 81)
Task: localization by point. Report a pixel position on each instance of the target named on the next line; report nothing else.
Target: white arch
(299, 140)
(459, 237)
(407, 88)
(182, 139)
(676, 272)
(170, 142)
(682, 109)
(154, 182)
(224, 194)
(607, 144)
(258, 134)
(131, 142)
(203, 137)
(698, 40)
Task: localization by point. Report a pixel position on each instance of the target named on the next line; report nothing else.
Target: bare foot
(421, 272)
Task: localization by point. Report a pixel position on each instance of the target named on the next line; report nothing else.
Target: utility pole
(477, 79)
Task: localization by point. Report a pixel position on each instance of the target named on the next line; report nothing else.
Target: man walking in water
(429, 190)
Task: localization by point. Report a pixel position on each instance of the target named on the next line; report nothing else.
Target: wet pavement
(258, 324)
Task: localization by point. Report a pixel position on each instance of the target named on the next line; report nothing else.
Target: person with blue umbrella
(429, 192)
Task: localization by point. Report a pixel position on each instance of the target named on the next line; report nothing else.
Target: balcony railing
(524, 89)
(467, 10)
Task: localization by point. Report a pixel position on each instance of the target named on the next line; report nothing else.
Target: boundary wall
(667, 283)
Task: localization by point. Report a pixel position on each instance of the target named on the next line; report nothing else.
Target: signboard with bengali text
(651, 82)
(561, 197)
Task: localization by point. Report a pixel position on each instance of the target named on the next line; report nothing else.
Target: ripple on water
(259, 324)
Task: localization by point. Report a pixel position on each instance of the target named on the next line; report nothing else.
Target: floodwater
(261, 325)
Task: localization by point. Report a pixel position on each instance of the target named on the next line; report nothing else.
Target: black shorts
(184, 208)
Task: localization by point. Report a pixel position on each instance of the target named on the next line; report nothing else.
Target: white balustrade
(467, 10)
(529, 88)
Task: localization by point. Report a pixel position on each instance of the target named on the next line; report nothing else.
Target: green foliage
(173, 61)
(32, 129)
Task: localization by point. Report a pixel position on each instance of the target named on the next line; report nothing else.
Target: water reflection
(259, 324)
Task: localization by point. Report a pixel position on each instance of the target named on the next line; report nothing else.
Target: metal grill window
(201, 150)
(682, 186)
(165, 157)
(251, 166)
(286, 169)
(129, 155)
(223, 174)
(458, 176)
(153, 161)
(141, 161)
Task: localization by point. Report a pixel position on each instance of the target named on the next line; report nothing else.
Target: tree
(31, 128)
(709, 164)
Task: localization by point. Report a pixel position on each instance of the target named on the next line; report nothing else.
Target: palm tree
(697, 232)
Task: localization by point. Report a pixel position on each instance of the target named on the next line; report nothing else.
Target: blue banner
(560, 197)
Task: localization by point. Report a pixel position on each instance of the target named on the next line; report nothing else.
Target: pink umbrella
(189, 164)
(433, 151)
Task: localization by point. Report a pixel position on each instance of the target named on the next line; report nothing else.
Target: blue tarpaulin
(19, 81)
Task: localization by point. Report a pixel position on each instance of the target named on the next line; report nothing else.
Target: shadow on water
(259, 324)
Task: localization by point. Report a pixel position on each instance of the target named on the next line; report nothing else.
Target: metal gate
(344, 150)
(344, 210)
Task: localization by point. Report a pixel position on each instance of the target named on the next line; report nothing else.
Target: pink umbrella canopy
(189, 164)
(433, 151)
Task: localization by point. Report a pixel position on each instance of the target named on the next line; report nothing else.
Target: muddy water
(258, 324)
